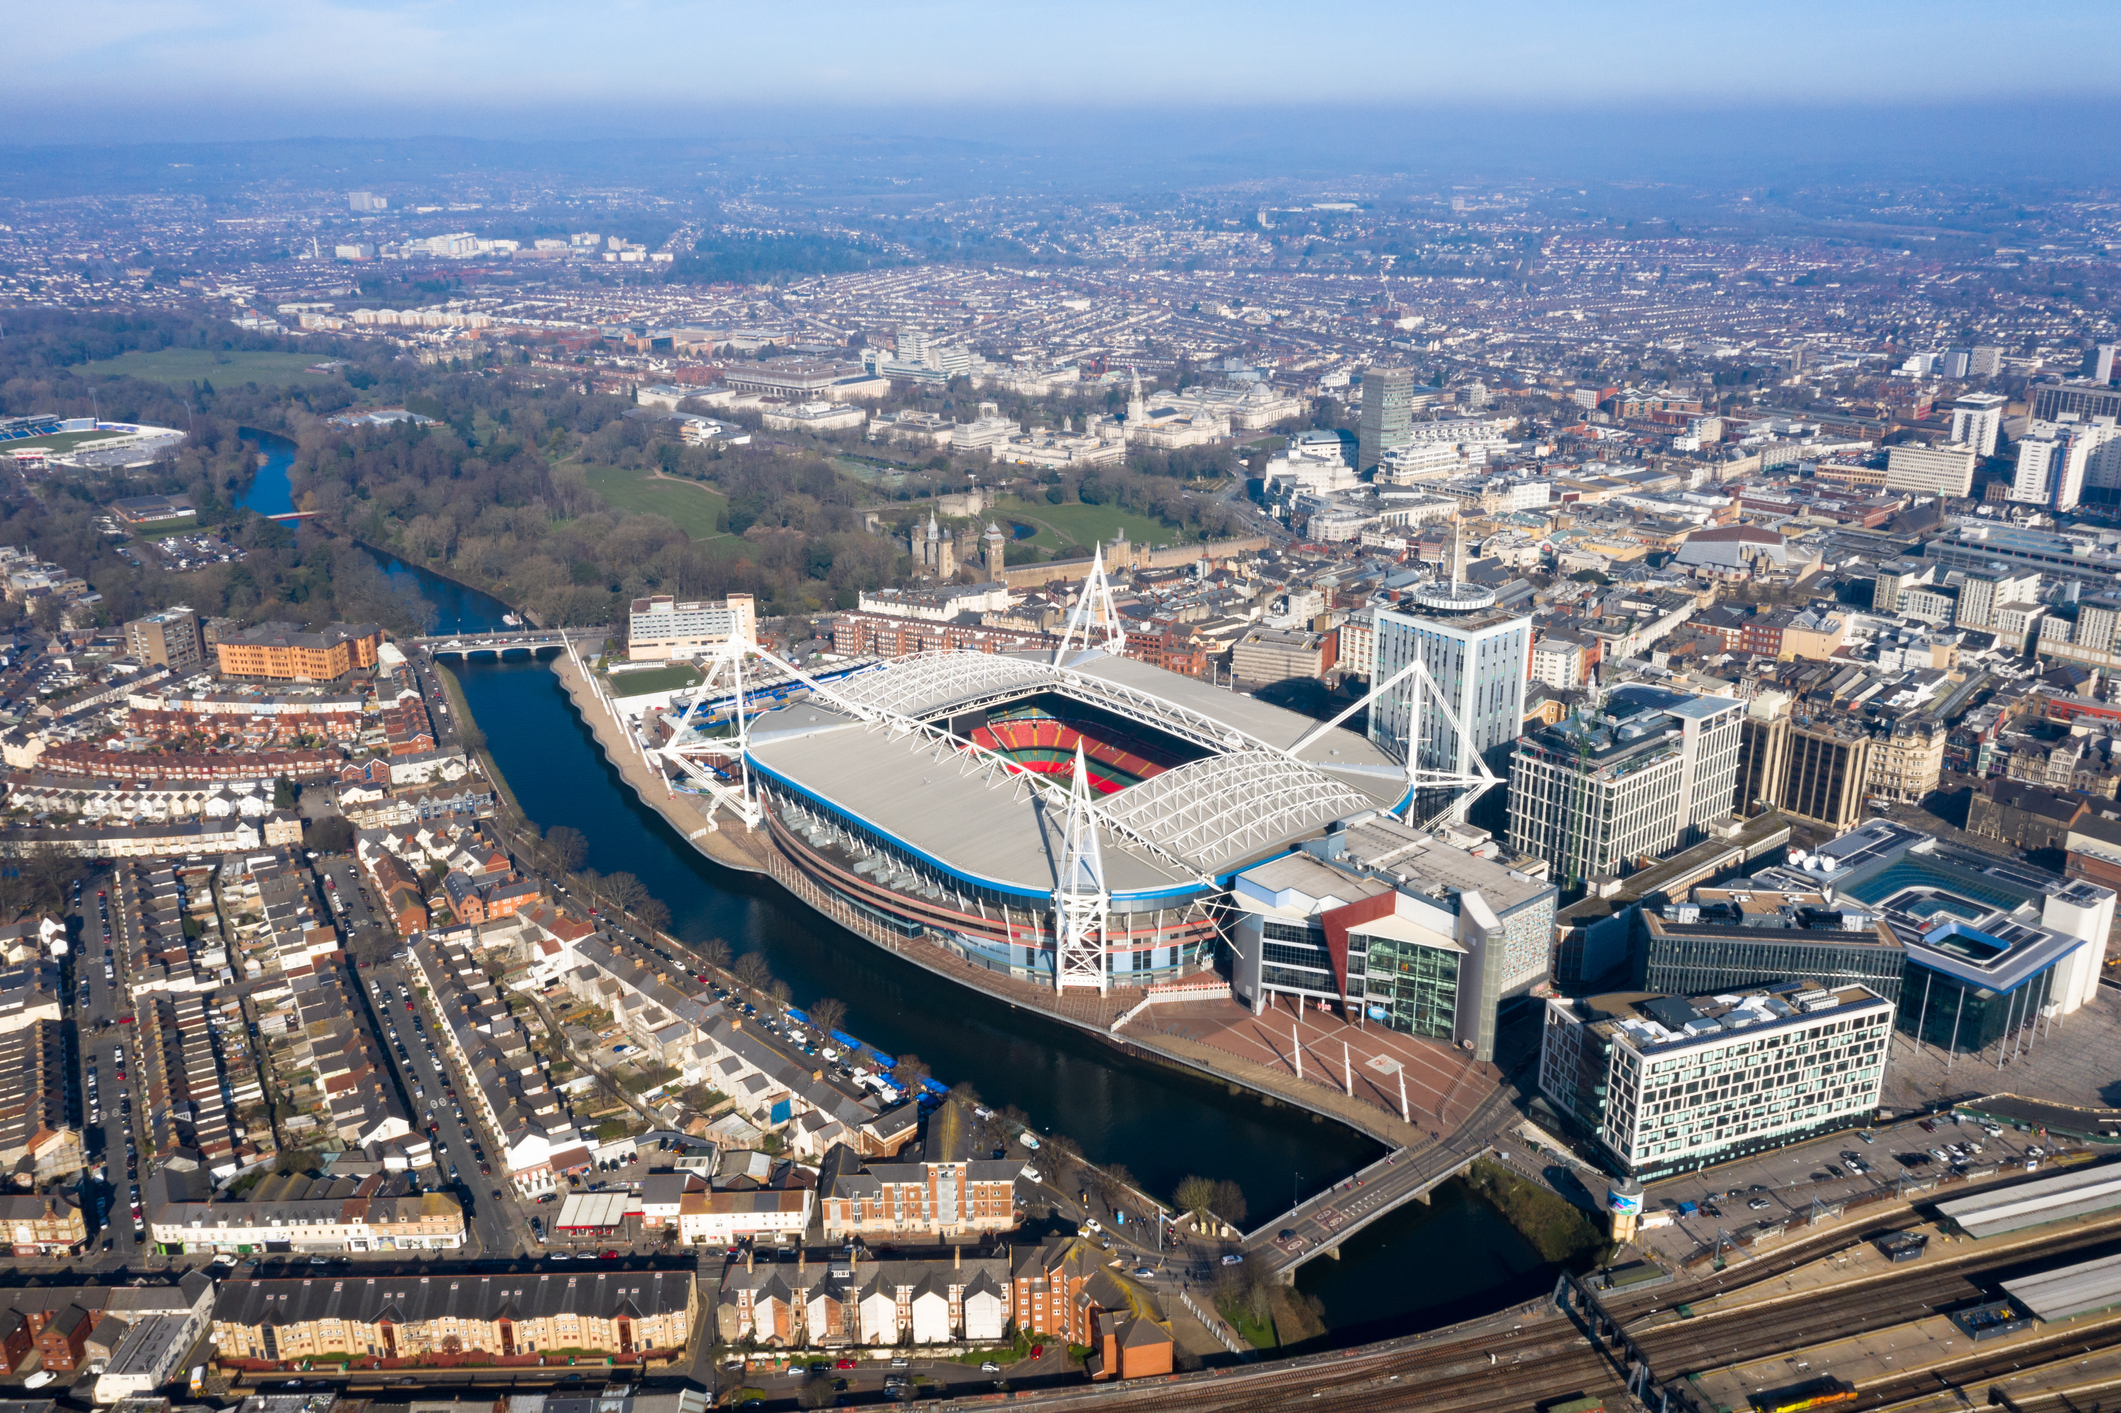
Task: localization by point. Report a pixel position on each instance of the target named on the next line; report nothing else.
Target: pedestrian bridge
(1319, 1224)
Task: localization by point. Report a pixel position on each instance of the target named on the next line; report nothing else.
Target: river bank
(1421, 1267)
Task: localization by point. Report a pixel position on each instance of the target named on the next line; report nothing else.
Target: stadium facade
(931, 793)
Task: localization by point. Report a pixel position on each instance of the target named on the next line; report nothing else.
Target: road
(494, 1225)
(106, 936)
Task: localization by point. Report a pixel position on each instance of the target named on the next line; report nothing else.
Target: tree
(780, 992)
(565, 848)
(1230, 1202)
(653, 913)
(626, 892)
(715, 952)
(283, 793)
(752, 970)
(828, 1013)
(332, 836)
(909, 1072)
(1195, 1195)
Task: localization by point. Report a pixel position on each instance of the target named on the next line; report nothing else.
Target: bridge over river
(528, 640)
(1318, 1225)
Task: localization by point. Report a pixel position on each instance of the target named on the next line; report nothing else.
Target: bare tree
(566, 847)
(780, 992)
(752, 970)
(827, 1013)
(1230, 1202)
(653, 913)
(1195, 1195)
(626, 892)
(910, 1071)
(715, 952)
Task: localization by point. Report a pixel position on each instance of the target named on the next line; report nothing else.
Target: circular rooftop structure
(1439, 596)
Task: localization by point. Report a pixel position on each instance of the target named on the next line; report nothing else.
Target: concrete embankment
(733, 846)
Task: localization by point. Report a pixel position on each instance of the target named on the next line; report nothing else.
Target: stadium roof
(2032, 1204)
(990, 828)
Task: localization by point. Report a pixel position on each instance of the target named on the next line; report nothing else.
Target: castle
(937, 553)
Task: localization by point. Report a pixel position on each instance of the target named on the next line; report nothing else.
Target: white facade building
(1649, 775)
(1931, 470)
(660, 627)
(1977, 418)
(1672, 1084)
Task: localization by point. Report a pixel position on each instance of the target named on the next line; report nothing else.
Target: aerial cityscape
(1096, 729)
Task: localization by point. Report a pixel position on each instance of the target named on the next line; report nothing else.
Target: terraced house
(407, 1316)
(293, 1213)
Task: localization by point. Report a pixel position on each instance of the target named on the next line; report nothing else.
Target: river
(1421, 1267)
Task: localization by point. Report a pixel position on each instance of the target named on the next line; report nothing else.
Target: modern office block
(1387, 413)
(1671, 1084)
(1647, 775)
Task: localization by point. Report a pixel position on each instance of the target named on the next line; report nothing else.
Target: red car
(846, 1364)
(125, 1020)
(609, 1256)
(1037, 1350)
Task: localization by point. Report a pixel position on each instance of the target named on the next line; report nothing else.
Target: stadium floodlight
(1466, 784)
(1080, 902)
(1094, 609)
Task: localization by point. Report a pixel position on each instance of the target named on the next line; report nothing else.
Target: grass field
(163, 529)
(693, 508)
(654, 679)
(182, 367)
(1060, 526)
(57, 441)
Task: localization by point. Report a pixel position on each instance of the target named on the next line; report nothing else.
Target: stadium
(936, 791)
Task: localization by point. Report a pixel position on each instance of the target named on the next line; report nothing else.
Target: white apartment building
(660, 627)
(1977, 418)
(1477, 654)
(1673, 1084)
(1931, 470)
(1647, 776)
(2062, 464)
(1558, 664)
(1357, 651)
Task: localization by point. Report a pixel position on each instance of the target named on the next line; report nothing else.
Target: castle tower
(994, 556)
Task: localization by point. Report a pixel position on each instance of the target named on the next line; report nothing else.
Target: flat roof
(591, 1211)
(2032, 1204)
(2073, 1290)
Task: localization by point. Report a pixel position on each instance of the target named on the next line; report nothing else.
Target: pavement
(1368, 1063)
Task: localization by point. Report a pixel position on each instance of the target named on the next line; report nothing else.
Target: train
(1819, 1393)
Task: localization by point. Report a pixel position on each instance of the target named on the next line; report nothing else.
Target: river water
(1421, 1267)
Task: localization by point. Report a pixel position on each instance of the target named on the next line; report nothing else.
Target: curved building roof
(972, 817)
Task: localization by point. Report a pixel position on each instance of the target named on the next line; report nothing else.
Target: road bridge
(1319, 1224)
(529, 640)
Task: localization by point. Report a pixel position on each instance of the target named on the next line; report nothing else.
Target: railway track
(1549, 1359)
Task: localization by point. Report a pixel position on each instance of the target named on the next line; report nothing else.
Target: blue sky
(232, 68)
